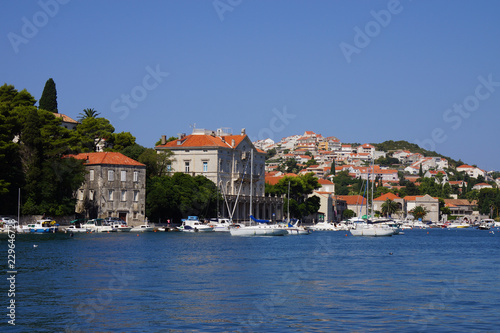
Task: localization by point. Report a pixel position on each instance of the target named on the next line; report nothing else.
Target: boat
(143, 228)
(368, 228)
(324, 226)
(296, 229)
(98, 225)
(193, 224)
(75, 229)
(459, 225)
(221, 224)
(41, 226)
(263, 228)
(121, 227)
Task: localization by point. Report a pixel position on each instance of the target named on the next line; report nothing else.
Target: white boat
(367, 228)
(322, 226)
(41, 226)
(122, 227)
(98, 225)
(221, 224)
(192, 224)
(74, 229)
(296, 229)
(143, 228)
(262, 228)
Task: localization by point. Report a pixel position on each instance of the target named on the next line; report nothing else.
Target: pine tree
(48, 101)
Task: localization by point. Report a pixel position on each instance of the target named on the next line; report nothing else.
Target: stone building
(226, 160)
(115, 186)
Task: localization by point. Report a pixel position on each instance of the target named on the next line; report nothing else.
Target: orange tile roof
(386, 196)
(351, 199)
(110, 158)
(205, 141)
(324, 181)
(65, 118)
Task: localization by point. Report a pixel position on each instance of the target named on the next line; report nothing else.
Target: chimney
(163, 139)
(243, 132)
(233, 142)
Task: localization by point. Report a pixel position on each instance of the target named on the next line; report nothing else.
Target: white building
(231, 162)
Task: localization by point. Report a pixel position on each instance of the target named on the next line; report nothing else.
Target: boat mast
(373, 187)
(251, 180)
(288, 204)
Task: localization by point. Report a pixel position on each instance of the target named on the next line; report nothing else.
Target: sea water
(425, 280)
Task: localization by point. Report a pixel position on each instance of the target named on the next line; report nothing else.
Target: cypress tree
(48, 101)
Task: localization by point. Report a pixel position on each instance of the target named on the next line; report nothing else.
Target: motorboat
(142, 228)
(121, 227)
(99, 225)
(324, 226)
(368, 228)
(193, 224)
(41, 226)
(221, 224)
(75, 229)
(296, 229)
(262, 228)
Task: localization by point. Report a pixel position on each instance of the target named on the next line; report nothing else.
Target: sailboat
(263, 227)
(367, 227)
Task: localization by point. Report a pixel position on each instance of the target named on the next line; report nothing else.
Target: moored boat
(193, 224)
(262, 228)
(41, 226)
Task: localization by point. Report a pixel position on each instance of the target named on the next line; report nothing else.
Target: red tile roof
(65, 118)
(386, 196)
(205, 141)
(110, 158)
(352, 199)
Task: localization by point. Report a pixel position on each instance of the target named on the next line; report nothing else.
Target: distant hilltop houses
(325, 151)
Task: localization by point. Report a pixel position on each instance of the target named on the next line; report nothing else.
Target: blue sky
(363, 71)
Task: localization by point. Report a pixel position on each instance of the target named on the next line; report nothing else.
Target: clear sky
(364, 71)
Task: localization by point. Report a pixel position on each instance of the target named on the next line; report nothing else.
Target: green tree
(92, 132)
(88, 113)
(348, 213)
(48, 101)
(157, 165)
(120, 141)
(389, 207)
(300, 202)
(332, 168)
(342, 182)
(419, 212)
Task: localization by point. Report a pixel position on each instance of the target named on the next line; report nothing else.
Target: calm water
(434, 280)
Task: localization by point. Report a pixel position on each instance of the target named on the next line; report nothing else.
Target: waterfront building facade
(115, 186)
(226, 160)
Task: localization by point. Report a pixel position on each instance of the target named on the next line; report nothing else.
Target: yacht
(143, 228)
(262, 228)
(41, 226)
(368, 228)
(192, 224)
(221, 224)
(98, 225)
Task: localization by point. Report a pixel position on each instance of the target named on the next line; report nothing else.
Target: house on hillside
(460, 207)
(115, 186)
(378, 202)
(434, 174)
(356, 203)
(480, 186)
(231, 162)
(472, 171)
(430, 204)
(67, 122)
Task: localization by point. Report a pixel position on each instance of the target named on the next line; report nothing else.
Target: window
(111, 175)
(123, 195)
(123, 175)
(91, 174)
(110, 195)
(186, 166)
(205, 166)
(136, 176)
(91, 195)
(169, 167)
(136, 196)
(80, 195)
